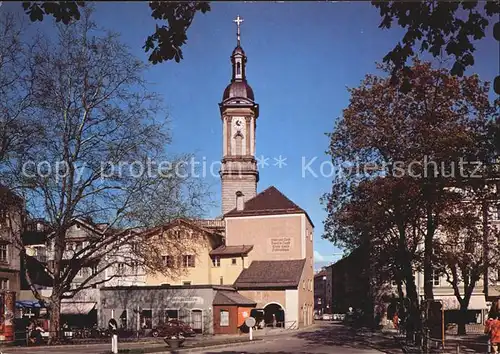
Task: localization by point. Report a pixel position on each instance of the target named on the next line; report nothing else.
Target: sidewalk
(381, 340)
(453, 344)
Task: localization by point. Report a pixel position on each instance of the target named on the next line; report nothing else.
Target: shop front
(477, 310)
(230, 312)
(142, 308)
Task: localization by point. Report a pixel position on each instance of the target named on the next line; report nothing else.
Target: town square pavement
(324, 337)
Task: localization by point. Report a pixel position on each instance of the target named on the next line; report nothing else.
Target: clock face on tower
(238, 123)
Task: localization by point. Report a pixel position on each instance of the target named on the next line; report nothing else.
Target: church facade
(281, 265)
(261, 247)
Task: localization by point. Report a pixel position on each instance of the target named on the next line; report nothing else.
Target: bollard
(113, 328)
(251, 333)
(458, 348)
(114, 343)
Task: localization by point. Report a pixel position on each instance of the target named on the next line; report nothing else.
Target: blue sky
(301, 58)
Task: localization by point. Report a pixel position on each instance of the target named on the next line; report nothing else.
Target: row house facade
(11, 216)
(112, 268)
(321, 305)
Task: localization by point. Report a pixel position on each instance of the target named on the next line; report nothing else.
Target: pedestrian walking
(492, 328)
(395, 320)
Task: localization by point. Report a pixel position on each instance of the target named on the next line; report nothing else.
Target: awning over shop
(477, 302)
(28, 304)
(77, 308)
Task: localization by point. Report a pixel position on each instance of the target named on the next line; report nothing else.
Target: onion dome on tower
(238, 92)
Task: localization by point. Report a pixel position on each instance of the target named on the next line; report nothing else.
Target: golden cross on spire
(238, 22)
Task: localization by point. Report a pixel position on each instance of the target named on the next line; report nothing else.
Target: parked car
(327, 317)
(338, 316)
(173, 328)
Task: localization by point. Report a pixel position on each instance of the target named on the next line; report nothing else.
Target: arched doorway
(274, 315)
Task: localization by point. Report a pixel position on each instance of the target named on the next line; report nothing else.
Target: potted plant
(174, 338)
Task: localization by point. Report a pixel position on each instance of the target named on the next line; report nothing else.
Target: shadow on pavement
(250, 352)
(337, 335)
(470, 344)
(344, 336)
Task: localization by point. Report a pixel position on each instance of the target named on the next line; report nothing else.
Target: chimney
(239, 201)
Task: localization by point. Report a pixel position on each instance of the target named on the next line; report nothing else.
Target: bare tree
(18, 128)
(103, 128)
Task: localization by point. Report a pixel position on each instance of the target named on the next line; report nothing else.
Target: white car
(327, 317)
(338, 317)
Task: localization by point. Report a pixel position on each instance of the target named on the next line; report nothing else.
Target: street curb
(78, 346)
(259, 338)
(215, 346)
(200, 349)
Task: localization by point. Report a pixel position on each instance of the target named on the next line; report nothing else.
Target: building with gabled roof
(280, 271)
(11, 218)
(271, 275)
(261, 246)
(268, 202)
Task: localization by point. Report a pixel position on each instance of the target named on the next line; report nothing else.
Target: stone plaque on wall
(194, 300)
(280, 244)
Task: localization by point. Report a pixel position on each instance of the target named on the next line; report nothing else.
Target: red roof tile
(271, 274)
(231, 298)
(231, 250)
(268, 202)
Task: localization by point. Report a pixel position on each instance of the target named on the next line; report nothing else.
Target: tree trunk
(462, 320)
(55, 317)
(413, 321)
(400, 288)
(404, 259)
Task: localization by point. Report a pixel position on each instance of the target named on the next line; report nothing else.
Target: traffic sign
(250, 322)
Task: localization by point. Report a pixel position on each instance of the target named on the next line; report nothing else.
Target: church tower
(239, 113)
